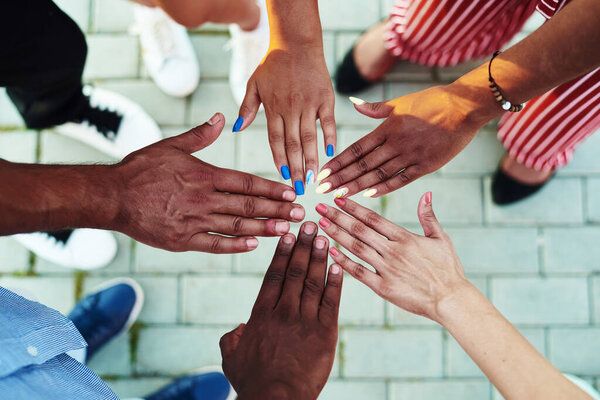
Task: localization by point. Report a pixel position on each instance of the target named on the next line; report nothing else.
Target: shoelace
(160, 30)
(251, 42)
(107, 122)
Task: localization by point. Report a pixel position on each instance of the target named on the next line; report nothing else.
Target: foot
(107, 312)
(513, 181)
(366, 63)
(248, 49)
(80, 248)
(167, 50)
(111, 123)
(209, 384)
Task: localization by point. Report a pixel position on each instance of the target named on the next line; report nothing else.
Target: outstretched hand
(172, 200)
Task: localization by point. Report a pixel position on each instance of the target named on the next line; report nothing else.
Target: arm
(160, 195)
(425, 130)
(423, 275)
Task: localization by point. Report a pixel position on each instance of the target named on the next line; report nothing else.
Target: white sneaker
(80, 248)
(167, 50)
(112, 124)
(248, 50)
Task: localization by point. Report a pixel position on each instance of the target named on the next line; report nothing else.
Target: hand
(286, 350)
(172, 200)
(413, 272)
(295, 89)
(421, 133)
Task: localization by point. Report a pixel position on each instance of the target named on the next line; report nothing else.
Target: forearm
(510, 362)
(294, 23)
(562, 49)
(52, 197)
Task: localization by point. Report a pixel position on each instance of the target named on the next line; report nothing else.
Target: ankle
(523, 173)
(251, 20)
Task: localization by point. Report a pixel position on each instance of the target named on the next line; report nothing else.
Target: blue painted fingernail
(285, 172)
(238, 124)
(329, 150)
(299, 186)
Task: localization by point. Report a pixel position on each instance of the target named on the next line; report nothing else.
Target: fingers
(231, 181)
(249, 107)
(353, 226)
(330, 303)
(230, 340)
(429, 222)
(371, 219)
(199, 137)
(364, 275)
(401, 179)
(256, 207)
(373, 110)
(276, 129)
(293, 149)
(270, 290)
(353, 244)
(289, 303)
(217, 244)
(315, 278)
(369, 180)
(308, 136)
(327, 118)
(240, 226)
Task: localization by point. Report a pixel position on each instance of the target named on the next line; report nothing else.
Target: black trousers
(42, 55)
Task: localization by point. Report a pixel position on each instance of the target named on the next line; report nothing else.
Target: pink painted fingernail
(288, 239)
(289, 195)
(324, 222)
(340, 201)
(320, 244)
(309, 229)
(282, 227)
(297, 213)
(252, 243)
(321, 208)
(335, 269)
(334, 252)
(428, 197)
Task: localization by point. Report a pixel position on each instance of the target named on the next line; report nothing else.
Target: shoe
(107, 312)
(248, 50)
(111, 123)
(506, 190)
(347, 78)
(167, 51)
(80, 248)
(205, 384)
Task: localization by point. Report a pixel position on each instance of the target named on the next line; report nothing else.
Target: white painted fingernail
(370, 193)
(340, 192)
(356, 100)
(322, 188)
(310, 177)
(323, 174)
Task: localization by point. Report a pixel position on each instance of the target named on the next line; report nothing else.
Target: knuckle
(276, 137)
(245, 110)
(329, 303)
(358, 228)
(248, 183)
(363, 165)
(294, 99)
(308, 137)
(358, 271)
(237, 225)
(372, 218)
(295, 272)
(293, 145)
(327, 120)
(357, 246)
(313, 286)
(215, 244)
(249, 206)
(356, 149)
(381, 174)
(404, 177)
(274, 277)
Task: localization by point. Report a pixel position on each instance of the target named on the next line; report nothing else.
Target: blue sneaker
(107, 312)
(205, 384)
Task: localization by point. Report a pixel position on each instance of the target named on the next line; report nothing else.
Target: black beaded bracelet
(505, 104)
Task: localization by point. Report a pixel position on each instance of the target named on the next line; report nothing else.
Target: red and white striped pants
(446, 32)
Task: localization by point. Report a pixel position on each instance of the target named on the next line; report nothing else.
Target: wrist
(104, 184)
(294, 24)
(452, 305)
(279, 391)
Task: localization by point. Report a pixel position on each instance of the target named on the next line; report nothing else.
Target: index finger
(231, 181)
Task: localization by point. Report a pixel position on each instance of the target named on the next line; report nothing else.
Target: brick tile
(596, 298)
(9, 116)
(394, 90)
(541, 300)
(392, 353)
(575, 351)
(346, 114)
(442, 390)
(18, 146)
(572, 249)
(212, 97)
(78, 10)
(593, 199)
(112, 359)
(13, 256)
(336, 15)
(138, 387)
(585, 160)
(54, 292)
(150, 259)
(113, 15)
(359, 305)
(111, 56)
(56, 148)
(213, 58)
(353, 390)
(480, 157)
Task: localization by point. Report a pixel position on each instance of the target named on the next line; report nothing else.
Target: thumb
(429, 222)
(229, 341)
(372, 110)
(249, 107)
(199, 137)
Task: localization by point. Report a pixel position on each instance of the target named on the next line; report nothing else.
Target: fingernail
(288, 239)
(323, 174)
(310, 177)
(214, 119)
(282, 227)
(335, 269)
(428, 197)
(340, 201)
(299, 186)
(370, 193)
(323, 187)
(356, 100)
(297, 213)
(289, 195)
(238, 124)
(329, 150)
(334, 252)
(321, 208)
(309, 229)
(252, 243)
(285, 172)
(340, 192)
(320, 244)
(324, 222)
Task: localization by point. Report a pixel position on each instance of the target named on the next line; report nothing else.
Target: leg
(43, 55)
(192, 13)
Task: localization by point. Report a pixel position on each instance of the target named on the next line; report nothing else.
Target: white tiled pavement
(538, 261)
